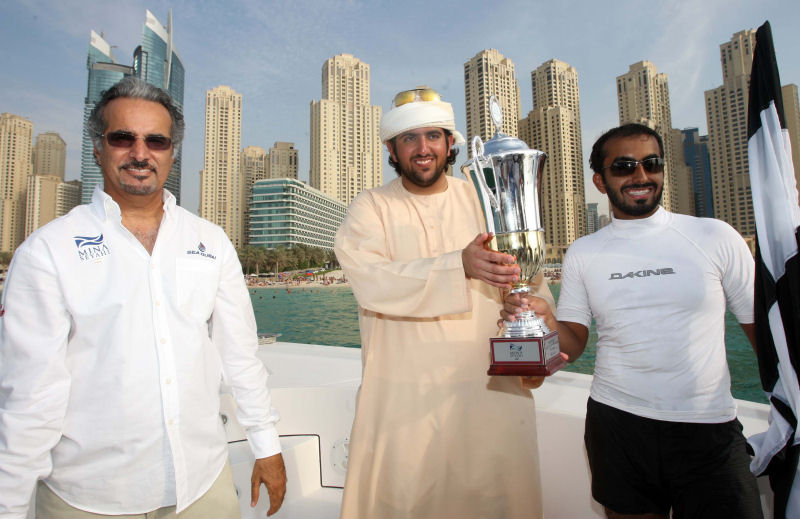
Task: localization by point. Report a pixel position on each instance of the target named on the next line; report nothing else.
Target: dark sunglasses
(126, 140)
(627, 167)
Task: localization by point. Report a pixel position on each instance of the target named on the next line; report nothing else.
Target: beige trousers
(219, 502)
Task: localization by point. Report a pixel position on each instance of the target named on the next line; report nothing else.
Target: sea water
(329, 316)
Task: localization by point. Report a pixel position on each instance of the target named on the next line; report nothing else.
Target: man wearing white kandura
(434, 436)
(119, 323)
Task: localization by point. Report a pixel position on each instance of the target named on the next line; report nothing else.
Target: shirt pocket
(197, 285)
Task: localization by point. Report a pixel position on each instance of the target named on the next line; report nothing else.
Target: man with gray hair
(119, 323)
(434, 436)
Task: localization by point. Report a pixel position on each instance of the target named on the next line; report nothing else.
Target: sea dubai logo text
(91, 247)
(201, 251)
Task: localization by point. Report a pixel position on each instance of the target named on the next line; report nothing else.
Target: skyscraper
(592, 218)
(157, 62)
(68, 196)
(554, 126)
(49, 155)
(222, 189)
(283, 160)
(103, 71)
(643, 97)
(255, 164)
(345, 144)
(487, 74)
(16, 141)
(695, 149)
(41, 201)
(791, 111)
(726, 115)
(254, 167)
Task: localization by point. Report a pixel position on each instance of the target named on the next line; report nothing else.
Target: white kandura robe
(434, 436)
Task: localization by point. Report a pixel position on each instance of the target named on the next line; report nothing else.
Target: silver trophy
(507, 176)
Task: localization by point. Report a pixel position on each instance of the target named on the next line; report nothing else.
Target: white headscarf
(419, 114)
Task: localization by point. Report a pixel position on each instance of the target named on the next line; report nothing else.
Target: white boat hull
(314, 388)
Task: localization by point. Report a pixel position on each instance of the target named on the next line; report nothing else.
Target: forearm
(424, 287)
(234, 333)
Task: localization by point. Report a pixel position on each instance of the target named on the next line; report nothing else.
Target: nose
(639, 175)
(139, 150)
(424, 146)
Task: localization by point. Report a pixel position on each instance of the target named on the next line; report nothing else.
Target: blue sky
(272, 53)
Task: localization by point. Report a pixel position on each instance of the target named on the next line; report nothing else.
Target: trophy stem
(527, 324)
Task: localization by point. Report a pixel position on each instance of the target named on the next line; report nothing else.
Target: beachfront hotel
(286, 212)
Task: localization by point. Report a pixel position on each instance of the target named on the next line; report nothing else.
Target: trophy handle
(477, 155)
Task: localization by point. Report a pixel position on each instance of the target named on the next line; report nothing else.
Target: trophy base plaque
(526, 356)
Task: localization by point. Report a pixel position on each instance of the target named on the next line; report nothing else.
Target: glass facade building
(154, 61)
(104, 71)
(284, 212)
(695, 151)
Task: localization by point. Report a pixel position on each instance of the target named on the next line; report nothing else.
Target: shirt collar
(640, 226)
(106, 208)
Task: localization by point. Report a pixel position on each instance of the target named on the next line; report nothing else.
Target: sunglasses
(417, 94)
(627, 167)
(121, 139)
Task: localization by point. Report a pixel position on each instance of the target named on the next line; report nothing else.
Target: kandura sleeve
(423, 287)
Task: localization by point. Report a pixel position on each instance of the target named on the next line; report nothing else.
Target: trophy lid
(501, 143)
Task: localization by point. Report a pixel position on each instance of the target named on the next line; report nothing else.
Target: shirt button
(163, 341)
(158, 303)
(169, 380)
(171, 422)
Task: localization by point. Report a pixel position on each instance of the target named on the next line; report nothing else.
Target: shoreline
(332, 279)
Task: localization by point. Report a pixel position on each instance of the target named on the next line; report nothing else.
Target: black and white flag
(777, 292)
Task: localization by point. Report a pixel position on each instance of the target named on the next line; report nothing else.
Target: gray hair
(134, 88)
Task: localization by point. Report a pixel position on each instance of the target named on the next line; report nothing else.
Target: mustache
(138, 164)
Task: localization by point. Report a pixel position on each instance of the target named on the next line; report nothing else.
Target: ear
(97, 156)
(450, 141)
(390, 147)
(597, 179)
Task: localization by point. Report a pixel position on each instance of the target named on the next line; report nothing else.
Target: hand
(515, 304)
(531, 382)
(492, 267)
(272, 473)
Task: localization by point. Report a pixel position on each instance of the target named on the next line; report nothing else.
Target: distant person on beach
(434, 436)
(119, 323)
(661, 427)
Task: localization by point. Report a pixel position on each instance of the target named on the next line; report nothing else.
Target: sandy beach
(334, 278)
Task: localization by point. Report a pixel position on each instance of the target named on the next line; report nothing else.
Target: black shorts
(640, 465)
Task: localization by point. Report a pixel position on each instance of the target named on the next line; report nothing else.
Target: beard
(411, 174)
(138, 188)
(638, 207)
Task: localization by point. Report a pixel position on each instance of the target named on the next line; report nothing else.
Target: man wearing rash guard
(661, 428)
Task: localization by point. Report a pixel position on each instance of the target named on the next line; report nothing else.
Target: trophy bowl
(506, 175)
